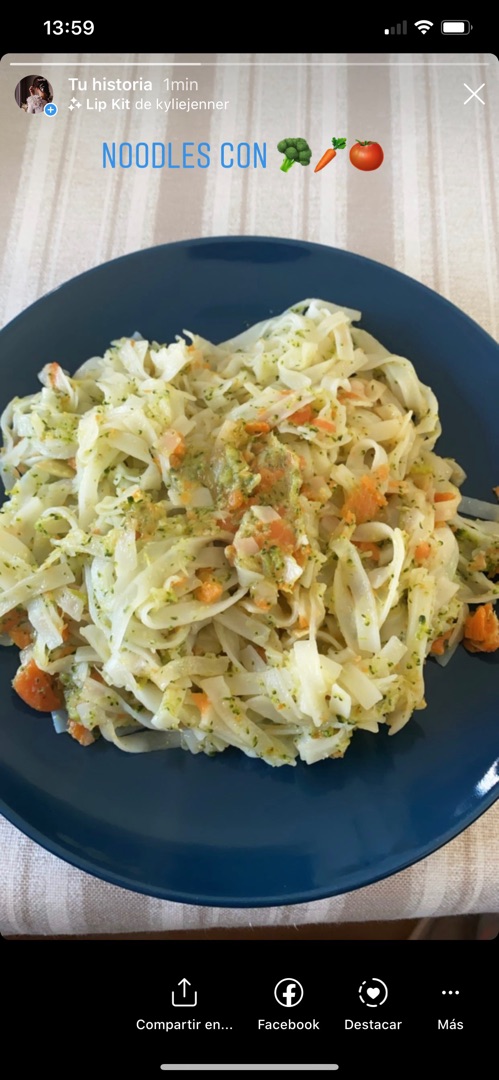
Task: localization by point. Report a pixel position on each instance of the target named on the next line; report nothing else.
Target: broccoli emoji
(294, 150)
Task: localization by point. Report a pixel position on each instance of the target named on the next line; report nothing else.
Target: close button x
(474, 93)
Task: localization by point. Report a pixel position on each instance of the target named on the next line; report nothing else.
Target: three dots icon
(450, 991)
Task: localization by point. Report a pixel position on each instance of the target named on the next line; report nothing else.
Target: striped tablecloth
(431, 210)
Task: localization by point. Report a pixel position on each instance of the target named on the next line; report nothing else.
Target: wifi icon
(424, 25)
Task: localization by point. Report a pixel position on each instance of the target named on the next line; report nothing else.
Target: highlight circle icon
(373, 992)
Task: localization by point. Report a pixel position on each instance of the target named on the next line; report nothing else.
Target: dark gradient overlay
(95, 993)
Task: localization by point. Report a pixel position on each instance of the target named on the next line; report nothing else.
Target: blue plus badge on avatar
(50, 109)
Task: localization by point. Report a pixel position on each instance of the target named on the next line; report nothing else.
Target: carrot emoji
(338, 144)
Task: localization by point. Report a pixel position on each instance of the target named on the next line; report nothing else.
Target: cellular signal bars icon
(400, 28)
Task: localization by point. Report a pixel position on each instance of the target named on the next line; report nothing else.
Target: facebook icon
(288, 992)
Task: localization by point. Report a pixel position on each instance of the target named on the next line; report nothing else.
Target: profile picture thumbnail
(33, 93)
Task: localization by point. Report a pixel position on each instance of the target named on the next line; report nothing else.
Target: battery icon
(456, 26)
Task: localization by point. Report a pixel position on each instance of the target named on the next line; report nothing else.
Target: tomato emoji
(366, 155)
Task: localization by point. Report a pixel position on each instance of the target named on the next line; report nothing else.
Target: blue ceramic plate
(229, 830)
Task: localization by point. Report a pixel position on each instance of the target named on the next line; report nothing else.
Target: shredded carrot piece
(305, 415)
(277, 532)
(438, 646)
(15, 623)
(235, 500)
(302, 554)
(11, 620)
(35, 687)
(268, 478)
(52, 370)
(481, 630)
(209, 592)
(476, 624)
(282, 533)
(496, 492)
(200, 700)
(364, 501)
(310, 493)
(348, 395)
(257, 427)
(303, 623)
(324, 425)
(230, 554)
(205, 573)
(187, 486)
(423, 551)
(263, 605)
(369, 547)
(21, 637)
(261, 651)
(479, 562)
(178, 454)
(443, 496)
(80, 733)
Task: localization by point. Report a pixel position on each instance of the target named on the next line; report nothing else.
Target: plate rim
(196, 900)
(255, 238)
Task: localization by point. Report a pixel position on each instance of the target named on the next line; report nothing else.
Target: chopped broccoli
(294, 150)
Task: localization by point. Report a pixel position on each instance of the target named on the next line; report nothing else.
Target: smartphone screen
(250, 522)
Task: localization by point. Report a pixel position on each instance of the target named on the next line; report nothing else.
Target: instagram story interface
(250, 314)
